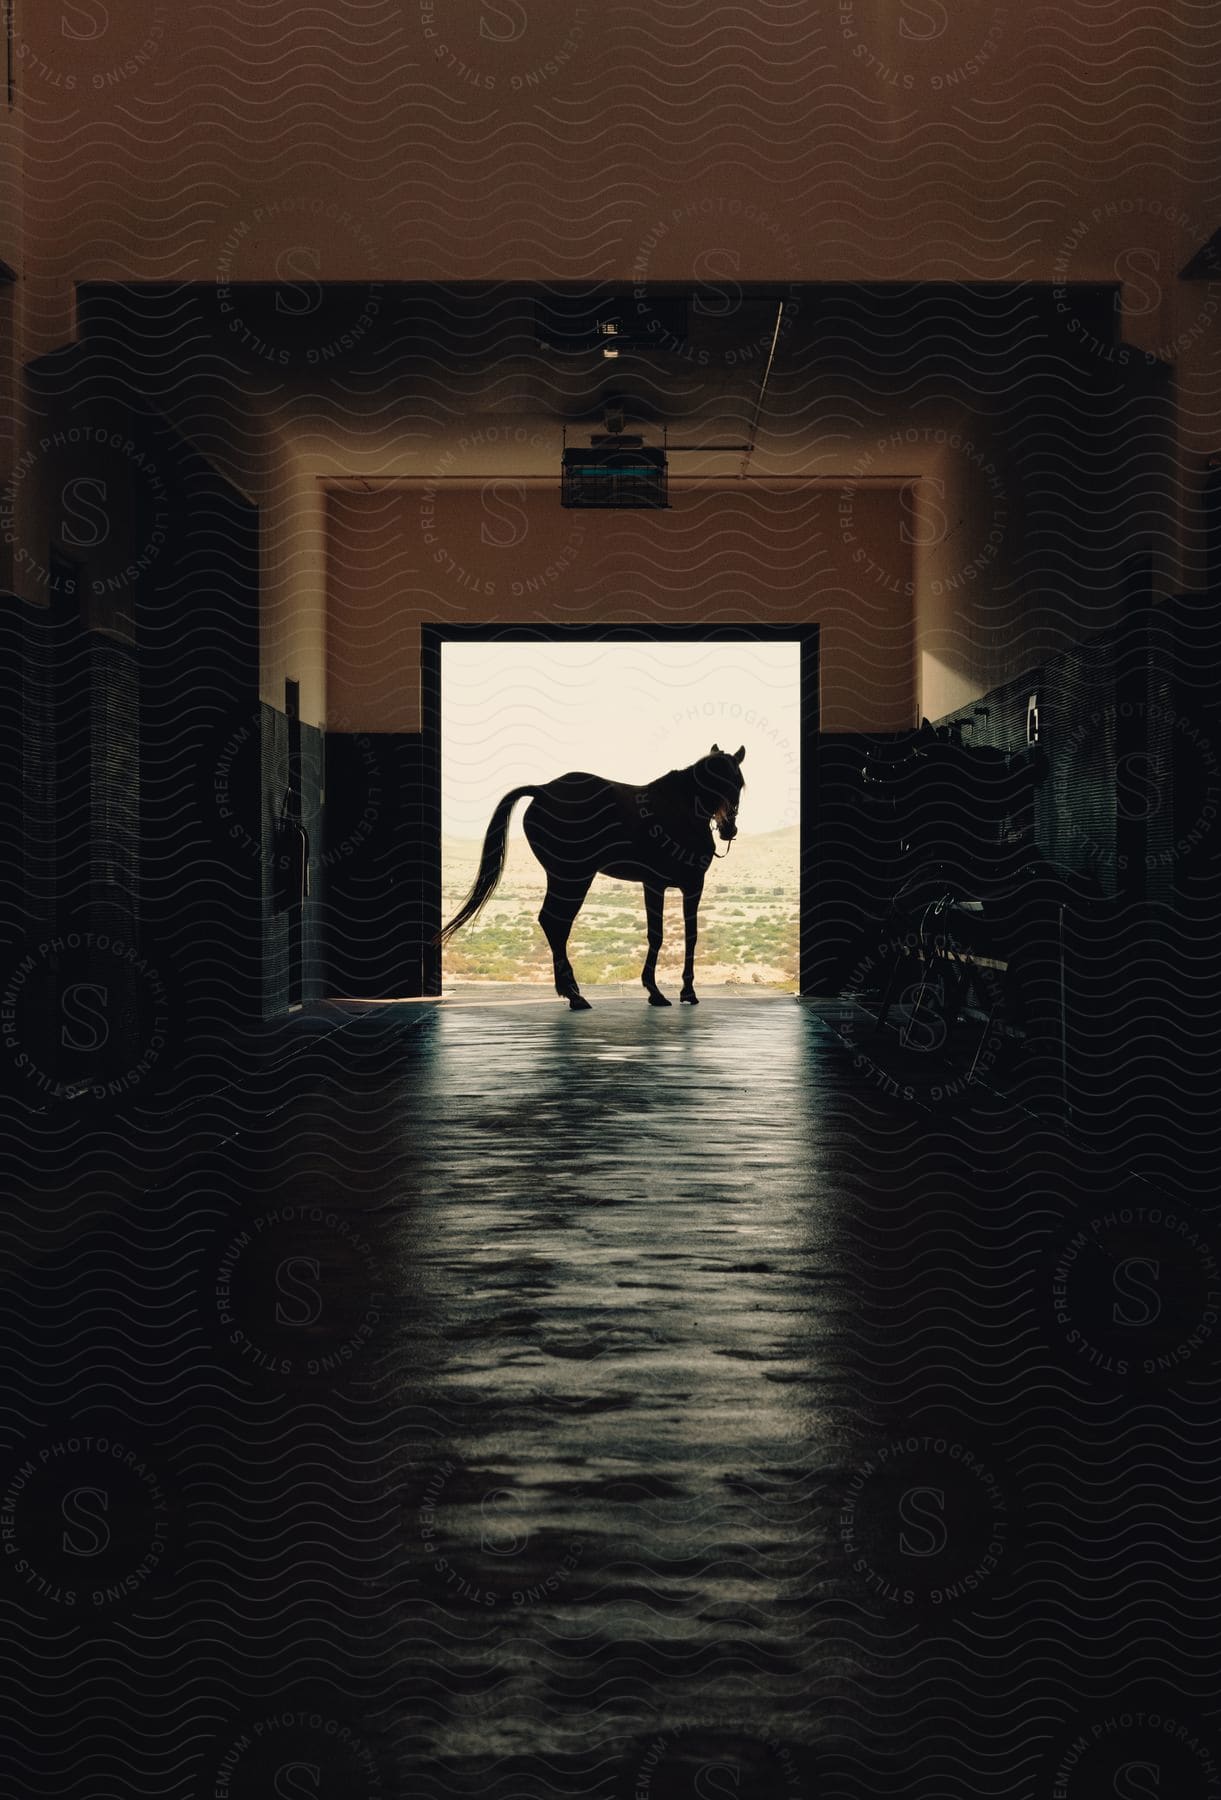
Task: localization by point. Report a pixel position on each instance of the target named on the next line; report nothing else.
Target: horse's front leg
(691, 909)
(654, 912)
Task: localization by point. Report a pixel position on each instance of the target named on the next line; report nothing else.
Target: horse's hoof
(578, 1003)
(689, 997)
(658, 1000)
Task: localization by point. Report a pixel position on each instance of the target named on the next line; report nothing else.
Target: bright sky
(516, 713)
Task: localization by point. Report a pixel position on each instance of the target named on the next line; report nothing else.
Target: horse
(581, 825)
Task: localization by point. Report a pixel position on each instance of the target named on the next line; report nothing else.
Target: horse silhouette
(582, 825)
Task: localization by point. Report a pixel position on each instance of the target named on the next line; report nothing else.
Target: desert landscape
(748, 920)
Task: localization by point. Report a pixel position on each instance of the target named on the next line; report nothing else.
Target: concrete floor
(626, 1403)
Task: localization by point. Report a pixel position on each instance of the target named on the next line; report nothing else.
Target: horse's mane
(673, 776)
(670, 786)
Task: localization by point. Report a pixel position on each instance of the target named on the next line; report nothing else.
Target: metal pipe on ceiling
(754, 424)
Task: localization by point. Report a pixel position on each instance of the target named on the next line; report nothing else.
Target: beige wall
(381, 139)
(953, 534)
(504, 552)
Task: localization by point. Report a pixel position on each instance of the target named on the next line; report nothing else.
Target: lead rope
(719, 856)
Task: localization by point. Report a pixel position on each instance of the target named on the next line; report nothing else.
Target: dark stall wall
(143, 861)
(374, 854)
(1119, 732)
(203, 866)
(79, 1010)
(1129, 807)
(194, 587)
(223, 768)
(12, 822)
(290, 786)
(70, 811)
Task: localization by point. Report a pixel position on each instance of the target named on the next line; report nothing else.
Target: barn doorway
(507, 707)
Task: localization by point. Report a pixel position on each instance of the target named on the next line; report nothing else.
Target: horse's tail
(491, 865)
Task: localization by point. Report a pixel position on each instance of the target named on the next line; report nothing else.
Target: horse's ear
(715, 751)
(741, 753)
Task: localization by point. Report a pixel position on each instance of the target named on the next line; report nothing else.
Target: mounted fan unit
(616, 471)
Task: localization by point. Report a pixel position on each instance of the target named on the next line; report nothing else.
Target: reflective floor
(625, 1403)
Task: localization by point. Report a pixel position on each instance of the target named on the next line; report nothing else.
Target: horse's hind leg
(654, 912)
(560, 907)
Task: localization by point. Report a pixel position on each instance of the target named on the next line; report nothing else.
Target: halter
(726, 806)
(720, 855)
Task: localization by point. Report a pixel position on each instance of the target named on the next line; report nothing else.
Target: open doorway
(505, 708)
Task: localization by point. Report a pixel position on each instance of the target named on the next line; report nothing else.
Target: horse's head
(718, 789)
